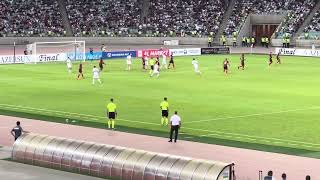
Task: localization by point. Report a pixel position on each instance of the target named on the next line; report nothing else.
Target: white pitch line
(223, 134)
(250, 115)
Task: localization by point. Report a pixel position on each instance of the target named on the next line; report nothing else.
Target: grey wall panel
(140, 166)
(108, 160)
(98, 160)
(58, 152)
(119, 161)
(88, 158)
(127, 170)
(111, 161)
(77, 156)
(200, 172)
(165, 167)
(175, 171)
(68, 153)
(188, 170)
(152, 167)
(38, 154)
(47, 157)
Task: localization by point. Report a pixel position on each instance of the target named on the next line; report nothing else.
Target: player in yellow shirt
(164, 106)
(151, 62)
(111, 113)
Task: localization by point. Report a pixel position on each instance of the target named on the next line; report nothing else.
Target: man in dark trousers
(175, 122)
(17, 131)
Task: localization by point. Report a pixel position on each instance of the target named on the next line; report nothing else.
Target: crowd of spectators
(93, 17)
(297, 11)
(30, 18)
(314, 25)
(201, 17)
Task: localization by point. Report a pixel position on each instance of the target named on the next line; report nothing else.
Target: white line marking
(218, 133)
(250, 115)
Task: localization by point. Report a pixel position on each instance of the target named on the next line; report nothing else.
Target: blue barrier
(118, 54)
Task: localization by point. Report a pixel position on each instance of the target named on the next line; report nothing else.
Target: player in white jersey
(146, 62)
(129, 62)
(96, 75)
(69, 65)
(195, 64)
(155, 70)
(164, 61)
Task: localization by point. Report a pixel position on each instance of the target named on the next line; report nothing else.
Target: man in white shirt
(96, 75)
(155, 70)
(195, 64)
(164, 61)
(69, 65)
(129, 62)
(175, 122)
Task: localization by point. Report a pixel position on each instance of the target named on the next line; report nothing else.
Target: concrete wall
(107, 40)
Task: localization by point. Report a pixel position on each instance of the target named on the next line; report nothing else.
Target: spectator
(284, 176)
(30, 18)
(269, 176)
(308, 177)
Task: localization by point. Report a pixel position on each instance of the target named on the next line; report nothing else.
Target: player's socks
(109, 124)
(167, 121)
(162, 121)
(113, 123)
(99, 81)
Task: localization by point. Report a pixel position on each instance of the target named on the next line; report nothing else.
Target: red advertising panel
(153, 52)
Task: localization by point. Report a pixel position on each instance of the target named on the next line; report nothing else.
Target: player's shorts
(112, 115)
(225, 67)
(171, 62)
(80, 70)
(165, 113)
(152, 67)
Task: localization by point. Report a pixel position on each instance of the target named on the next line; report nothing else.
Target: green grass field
(272, 109)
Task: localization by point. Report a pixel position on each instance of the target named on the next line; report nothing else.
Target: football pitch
(273, 108)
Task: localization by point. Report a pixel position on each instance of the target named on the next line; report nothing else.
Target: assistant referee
(164, 106)
(111, 113)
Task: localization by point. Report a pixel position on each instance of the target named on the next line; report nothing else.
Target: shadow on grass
(208, 140)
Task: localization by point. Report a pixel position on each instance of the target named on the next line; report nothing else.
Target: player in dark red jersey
(242, 65)
(278, 58)
(270, 59)
(171, 62)
(80, 72)
(226, 65)
(143, 63)
(101, 63)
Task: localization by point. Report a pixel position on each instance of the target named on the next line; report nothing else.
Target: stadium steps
(225, 20)
(306, 21)
(145, 10)
(65, 19)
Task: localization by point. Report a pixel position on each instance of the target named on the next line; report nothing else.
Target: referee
(111, 113)
(164, 106)
(175, 122)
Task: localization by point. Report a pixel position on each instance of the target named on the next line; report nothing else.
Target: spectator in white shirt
(175, 122)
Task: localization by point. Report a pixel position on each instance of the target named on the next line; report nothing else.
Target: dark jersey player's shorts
(225, 67)
(152, 67)
(165, 113)
(112, 115)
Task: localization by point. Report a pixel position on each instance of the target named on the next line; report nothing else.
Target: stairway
(306, 21)
(65, 19)
(224, 22)
(145, 10)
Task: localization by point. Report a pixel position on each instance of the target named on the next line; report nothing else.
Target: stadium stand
(313, 29)
(30, 18)
(296, 10)
(99, 17)
(186, 16)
